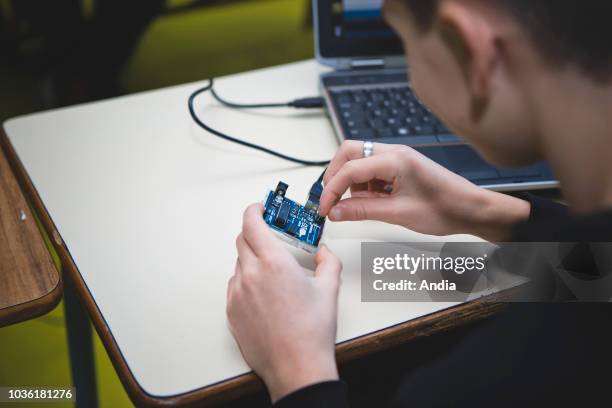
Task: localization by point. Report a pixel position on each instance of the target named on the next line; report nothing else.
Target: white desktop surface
(149, 206)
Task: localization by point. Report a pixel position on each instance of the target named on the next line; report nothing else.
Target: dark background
(62, 52)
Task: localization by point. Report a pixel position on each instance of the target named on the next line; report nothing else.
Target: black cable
(314, 195)
(241, 105)
(298, 103)
(301, 103)
(320, 179)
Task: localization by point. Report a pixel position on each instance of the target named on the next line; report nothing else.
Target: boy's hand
(400, 186)
(283, 319)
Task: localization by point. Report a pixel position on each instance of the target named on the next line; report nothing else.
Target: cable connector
(308, 103)
(314, 196)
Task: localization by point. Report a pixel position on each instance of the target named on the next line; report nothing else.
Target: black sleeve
(568, 261)
(328, 394)
(544, 208)
(546, 215)
(550, 221)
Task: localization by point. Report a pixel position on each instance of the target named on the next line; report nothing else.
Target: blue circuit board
(293, 220)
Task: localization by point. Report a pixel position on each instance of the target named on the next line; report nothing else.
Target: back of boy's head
(565, 31)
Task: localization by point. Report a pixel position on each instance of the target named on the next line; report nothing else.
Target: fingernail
(335, 214)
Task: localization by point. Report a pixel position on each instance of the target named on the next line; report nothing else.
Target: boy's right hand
(398, 185)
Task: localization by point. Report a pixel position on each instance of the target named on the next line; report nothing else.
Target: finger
(351, 150)
(237, 269)
(256, 232)
(232, 283)
(229, 288)
(245, 252)
(381, 167)
(328, 268)
(360, 208)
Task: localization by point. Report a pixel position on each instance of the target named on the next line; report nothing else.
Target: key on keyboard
(390, 114)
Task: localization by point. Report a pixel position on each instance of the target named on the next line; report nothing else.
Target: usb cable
(302, 103)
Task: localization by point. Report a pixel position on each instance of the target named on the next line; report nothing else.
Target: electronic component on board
(283, 214)
(301, 226)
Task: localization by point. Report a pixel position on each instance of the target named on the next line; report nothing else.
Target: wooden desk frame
(38, 259)
(248, 383)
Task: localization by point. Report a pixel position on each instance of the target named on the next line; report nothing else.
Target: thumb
(328, 268)
(360, 208)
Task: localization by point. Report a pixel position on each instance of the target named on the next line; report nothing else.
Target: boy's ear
(469, 34)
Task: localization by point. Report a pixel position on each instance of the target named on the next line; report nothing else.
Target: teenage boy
(522, 81)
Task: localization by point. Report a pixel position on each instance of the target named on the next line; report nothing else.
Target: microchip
(282, 215)
(301, 226)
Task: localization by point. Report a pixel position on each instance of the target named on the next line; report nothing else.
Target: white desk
(148, 206)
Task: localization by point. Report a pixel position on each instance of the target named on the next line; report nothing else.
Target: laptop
(368, 96)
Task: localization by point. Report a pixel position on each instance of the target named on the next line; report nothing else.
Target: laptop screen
(353, 28)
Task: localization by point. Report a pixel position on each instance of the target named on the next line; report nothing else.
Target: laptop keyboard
(383, 109)
(388, 114)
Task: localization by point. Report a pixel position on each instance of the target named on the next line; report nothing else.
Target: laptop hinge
(367, 63)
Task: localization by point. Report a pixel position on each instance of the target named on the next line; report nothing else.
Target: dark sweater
(530, 354)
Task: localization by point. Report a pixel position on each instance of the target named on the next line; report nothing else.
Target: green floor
(177, 48)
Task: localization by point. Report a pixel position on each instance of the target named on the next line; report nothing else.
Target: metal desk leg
(80, 346)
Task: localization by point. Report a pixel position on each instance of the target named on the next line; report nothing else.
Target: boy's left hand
(283, 319)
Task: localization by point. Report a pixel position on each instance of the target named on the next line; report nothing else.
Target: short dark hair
(566, 31)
